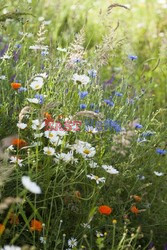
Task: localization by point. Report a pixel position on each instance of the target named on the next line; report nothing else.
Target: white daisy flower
(91, 130)
(37, 83)
(38, 135)
(96, 178)
(49, 150)
(5, 57)
(10, 148)
(7, 247)
(110, 169)
(2, 77)
(42, 240)
(158, 173)
(21, 125)
(53, 135)
(33, 100)
(30, 185)
(66, 157)
(85, 149)
(56, 141)
(72, 242)
(16, 160)
(37, 125)
(93, 164)
(80, 79)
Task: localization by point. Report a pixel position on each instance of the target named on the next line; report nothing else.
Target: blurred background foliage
(142, 32)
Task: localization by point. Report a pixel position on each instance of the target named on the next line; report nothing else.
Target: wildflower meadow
(83, 115)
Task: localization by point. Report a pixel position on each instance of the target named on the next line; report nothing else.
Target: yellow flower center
(86, 151)
(37, 86)
(96, 177)
(50, 135)
(49, 152)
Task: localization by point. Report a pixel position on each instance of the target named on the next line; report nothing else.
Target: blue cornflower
(18, 46)
(161, 151)
(97, 111)
(132, 57)
(110, 124)
(138, 126)
(83, 106)
(40, 98)
(22, 89)
(118, 94)
(83, 94)
(108, 102)
(44, 53)
(92, 73)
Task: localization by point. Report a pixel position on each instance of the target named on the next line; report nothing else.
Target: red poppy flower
(105, 210)
(19, 143)
(15, 85)
(137, 198)
(134, 210)
(2, 228)
(36, 225)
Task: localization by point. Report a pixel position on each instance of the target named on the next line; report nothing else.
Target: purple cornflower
(92, 73)
(97, 111)
(22, 89)
(110, 124)
(108, 102)
(118, 94)
(83, 106)
(40, 98)
(138, 126)
(161, 151)
(83, 94)
(132, 57)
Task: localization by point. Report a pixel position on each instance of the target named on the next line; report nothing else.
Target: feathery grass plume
(122, 141)
(4, 143)
(76, 49)
(47, 108)
(116, 5)
(5, 171)
(41, 34)
(23, 112)
(102, 51)
(7, 202)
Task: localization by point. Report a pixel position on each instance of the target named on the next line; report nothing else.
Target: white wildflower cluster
(84, 148)
(30, 185)
(81, 79)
